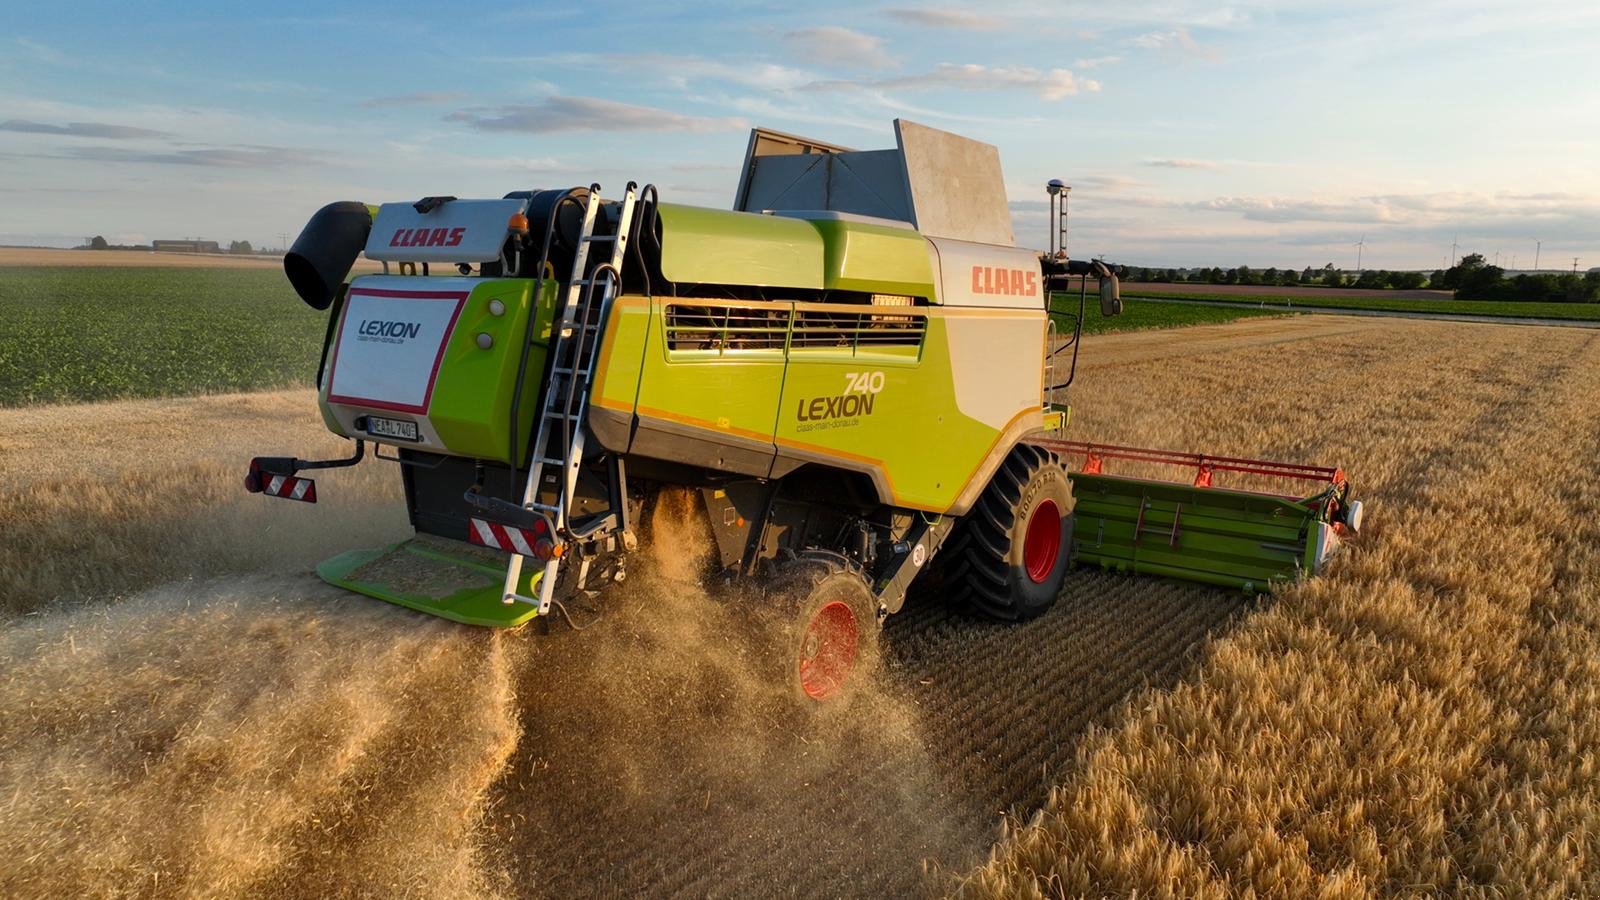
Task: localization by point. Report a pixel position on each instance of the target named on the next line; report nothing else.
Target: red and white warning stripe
(526, 541)
(290, 488)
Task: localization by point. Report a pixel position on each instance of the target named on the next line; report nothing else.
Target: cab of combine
(852, 371)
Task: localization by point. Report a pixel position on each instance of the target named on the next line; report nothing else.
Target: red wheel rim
(1041, 546)
(828, 650)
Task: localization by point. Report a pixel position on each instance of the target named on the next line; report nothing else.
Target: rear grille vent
(725, 328)
(850, 331)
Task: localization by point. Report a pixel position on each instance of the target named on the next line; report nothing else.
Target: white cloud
(833, 45)
(555, 114)
(1095, 62)
(1174, 41)
(959, 19)
(1565, 212)
(672, 69)
(1051, 84)
(212, 157)
(420, 98)
(1182, 163)
(680, 71)
(42, 53)
(82, 129)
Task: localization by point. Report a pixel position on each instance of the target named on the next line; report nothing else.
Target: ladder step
(600, 237)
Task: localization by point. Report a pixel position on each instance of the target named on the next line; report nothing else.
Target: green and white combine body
(842, 367)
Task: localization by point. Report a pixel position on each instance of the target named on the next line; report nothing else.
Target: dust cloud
(274, 735)
(248, 735)
(656, 758)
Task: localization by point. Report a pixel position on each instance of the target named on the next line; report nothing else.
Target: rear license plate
(396, 429)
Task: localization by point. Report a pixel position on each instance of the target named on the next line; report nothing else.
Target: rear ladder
(575, 339)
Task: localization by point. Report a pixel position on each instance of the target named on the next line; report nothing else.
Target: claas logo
(427, 237)
(1014, 282)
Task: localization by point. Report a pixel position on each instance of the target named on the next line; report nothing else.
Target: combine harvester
(855, 371)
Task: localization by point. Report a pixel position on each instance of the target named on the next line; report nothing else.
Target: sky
(1193, 133)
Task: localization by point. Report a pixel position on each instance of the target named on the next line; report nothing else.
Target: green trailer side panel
(1234, 539)
(848, 407)
(730, 392)
(876, 259)
(628, 333)
(886, 412)
(711, 246)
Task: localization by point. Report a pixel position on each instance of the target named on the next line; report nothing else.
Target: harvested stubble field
(175, 722)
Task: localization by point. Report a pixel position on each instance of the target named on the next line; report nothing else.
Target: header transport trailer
(856, 372)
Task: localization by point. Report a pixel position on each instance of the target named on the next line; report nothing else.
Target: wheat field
(187, 712)
(1423, 721)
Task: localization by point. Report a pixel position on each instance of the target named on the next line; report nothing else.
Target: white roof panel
(471, 231)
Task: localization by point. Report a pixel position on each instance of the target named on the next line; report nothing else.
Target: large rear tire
(1014, 547)
(822, 643)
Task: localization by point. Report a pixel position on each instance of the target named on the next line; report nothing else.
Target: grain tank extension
(855, 375)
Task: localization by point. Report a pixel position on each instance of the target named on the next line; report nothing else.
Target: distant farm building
(185, 246)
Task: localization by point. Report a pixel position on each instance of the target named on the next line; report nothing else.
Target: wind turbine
(1359, 245)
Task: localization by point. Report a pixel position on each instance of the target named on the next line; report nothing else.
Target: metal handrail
(533, 314)
(1097, 452)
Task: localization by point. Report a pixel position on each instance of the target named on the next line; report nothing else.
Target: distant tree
(1332, 277)
(1406, 281)
(1436, 279)
(1372, 279)
(1245, 275)
(1290, 277)
(240, 247)
(1472, 279)
(1469, 264)
(98, 243)
(1172, 275)
(1270, 275)
(1309, 275)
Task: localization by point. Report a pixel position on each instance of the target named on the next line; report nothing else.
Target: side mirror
(1110, 295)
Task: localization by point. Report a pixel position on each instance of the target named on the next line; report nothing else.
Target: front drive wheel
(824, 634)
(1014, 547)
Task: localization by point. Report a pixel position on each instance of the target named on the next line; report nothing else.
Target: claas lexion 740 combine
(855, 375)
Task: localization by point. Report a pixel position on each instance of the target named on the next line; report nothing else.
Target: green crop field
(1577, 311)
(75, 334)
(1138, 314)
(82, 333)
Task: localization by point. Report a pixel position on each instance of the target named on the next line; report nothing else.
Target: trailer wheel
(822, 639)
(1014, 547)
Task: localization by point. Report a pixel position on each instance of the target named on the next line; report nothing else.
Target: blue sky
(1194, 133)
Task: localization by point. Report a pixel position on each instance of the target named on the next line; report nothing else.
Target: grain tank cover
(945, 185)
(451, 231)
